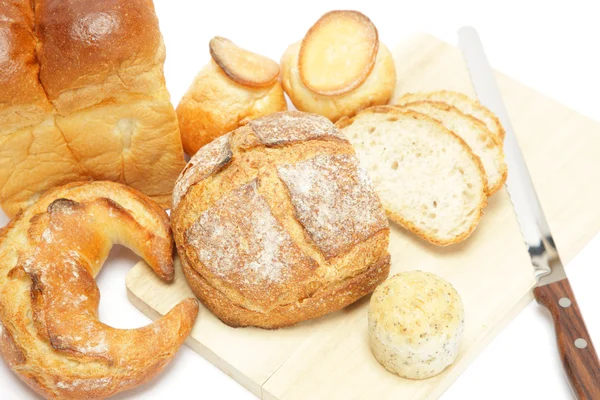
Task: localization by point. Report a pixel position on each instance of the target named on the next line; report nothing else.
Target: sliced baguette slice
(463, 103)
(428, 179)
(338, 52)
(242, 66)
(484, 144)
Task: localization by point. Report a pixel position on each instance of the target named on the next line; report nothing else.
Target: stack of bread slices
(434, 159)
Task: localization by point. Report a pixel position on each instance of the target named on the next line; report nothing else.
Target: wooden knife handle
(576, 349)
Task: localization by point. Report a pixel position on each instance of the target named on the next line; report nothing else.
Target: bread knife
(552, 289)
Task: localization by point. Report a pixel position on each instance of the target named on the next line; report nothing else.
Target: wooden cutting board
(329, 358)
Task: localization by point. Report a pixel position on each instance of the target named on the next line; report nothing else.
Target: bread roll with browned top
(339, 68)
(234, 88)
(276, 223)
(82, 97)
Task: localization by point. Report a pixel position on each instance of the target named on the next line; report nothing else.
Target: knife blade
(552, 290)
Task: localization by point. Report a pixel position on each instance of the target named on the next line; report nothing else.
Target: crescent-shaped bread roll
(49, 256)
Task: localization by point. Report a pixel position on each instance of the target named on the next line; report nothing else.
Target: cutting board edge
(503, 320)
(465, 362)
(196, 346)
(483, 343)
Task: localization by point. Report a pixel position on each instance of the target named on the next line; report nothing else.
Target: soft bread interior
(484, 143)
(465, 104)
(427, 178)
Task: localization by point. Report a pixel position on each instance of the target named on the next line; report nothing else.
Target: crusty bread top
(274, 211)
(76, 54)
(292, 126)
(239, 239)
(203, 164)
(334, 201)
(84, 42)
(19, 83)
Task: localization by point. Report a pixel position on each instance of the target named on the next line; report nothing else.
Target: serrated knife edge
(553, 290)
(548, 267)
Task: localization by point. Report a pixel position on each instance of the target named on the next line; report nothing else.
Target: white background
(553, 48)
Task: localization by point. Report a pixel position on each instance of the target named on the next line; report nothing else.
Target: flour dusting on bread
(293, 126)
(334, 200)
(290, 230)
(240, 235)
(208, 160)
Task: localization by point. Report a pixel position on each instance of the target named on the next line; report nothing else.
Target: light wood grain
(329, 358)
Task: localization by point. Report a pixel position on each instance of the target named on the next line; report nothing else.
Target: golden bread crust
(22, 98)
(91, 51)
(83, 97)
(51, 253)
(464, 103)
(273, 229)
(242, 66)
(215, 104)
(328, 299)
(376, 89)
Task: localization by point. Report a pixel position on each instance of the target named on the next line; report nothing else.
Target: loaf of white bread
(83, 97)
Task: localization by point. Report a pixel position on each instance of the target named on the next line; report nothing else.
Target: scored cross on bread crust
(260, 247)
(335, 222)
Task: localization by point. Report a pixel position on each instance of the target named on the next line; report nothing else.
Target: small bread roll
(234, 88)
(339, 68)
(416, 321)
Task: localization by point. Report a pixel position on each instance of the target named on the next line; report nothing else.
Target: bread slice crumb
(428, 179)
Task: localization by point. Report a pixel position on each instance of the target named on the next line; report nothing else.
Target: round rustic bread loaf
(276, 223)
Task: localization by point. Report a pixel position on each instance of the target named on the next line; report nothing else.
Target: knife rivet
(564, 302)
(581, 343)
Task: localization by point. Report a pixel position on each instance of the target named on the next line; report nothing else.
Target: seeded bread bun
(416, 321)
(276, 223)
